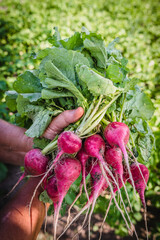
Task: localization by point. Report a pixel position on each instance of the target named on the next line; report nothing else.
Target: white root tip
(56, 218)
(132, 226)
(89, 218)
(84, 221)
(74, 219)
(145, 220)
(19, 180)
(69, 210)
(102, 225)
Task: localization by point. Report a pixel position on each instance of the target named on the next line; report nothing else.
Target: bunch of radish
(106, 144)
(101, 156)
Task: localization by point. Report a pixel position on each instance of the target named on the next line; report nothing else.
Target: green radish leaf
(50, 94)
(112, 51)
(139, 105)
(11, 97)
(87, 55)
(40, 116)
(53, 71)
(55, 39)
(95, 45)
(41, 120)
(144, 147)
(32, 97)
(40, 142)
(144, 140)
(59, 65)
(64, 62)
(27, 83)
(42, 54)
(129, 84)
(114, 73)
(77, 182)
(75, 42)
(96, 84)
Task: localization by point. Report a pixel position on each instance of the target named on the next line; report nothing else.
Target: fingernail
(80, 110)
(76, 113)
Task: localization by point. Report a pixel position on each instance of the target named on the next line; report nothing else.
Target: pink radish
(98, 185)
(66, 172)
(113, 156)
(137, 172)
(51, 187)
(35, 164)
(52, 190)
(138, 180)
(137, 164)
(69, 143)
(95, 147)
(117, 135)
(82, 156)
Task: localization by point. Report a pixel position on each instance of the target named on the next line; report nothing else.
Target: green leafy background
(25, 27)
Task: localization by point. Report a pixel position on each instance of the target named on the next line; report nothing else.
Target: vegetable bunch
(82, 71)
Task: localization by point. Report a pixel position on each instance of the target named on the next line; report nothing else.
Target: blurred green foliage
(26, 25)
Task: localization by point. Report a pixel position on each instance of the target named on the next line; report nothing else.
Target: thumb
(61, 121)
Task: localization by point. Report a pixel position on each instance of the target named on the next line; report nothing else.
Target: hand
(14, 143)
(62, 121)
(15, 221)
(15, 215)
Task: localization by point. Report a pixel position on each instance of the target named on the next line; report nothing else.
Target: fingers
(63, 120)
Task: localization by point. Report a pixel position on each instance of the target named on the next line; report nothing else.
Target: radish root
(120, 210)
(81, 211)
(75, 200)
(137, 166)
(122, 147)
(102, 225)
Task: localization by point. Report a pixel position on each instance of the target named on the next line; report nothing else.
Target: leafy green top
(82, 71)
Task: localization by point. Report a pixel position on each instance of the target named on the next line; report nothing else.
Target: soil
(153, 216)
